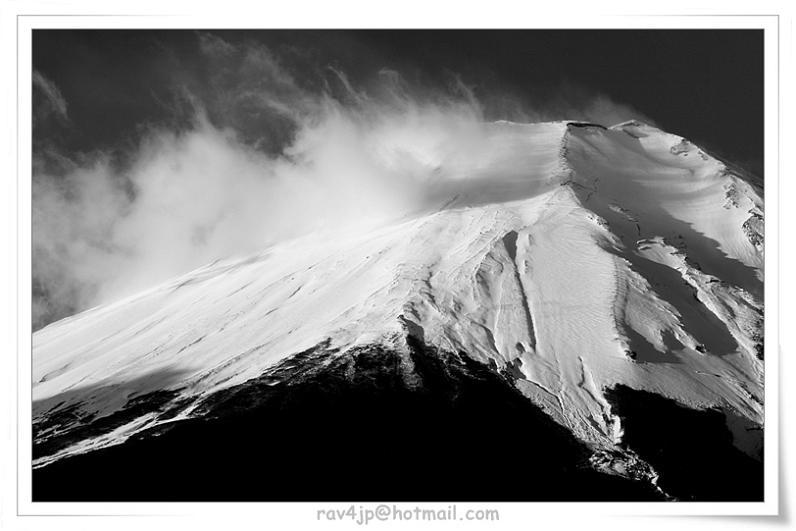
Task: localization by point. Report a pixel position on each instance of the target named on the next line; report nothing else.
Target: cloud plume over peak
(265, 151)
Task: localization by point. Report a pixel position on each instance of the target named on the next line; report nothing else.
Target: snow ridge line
(510, 242)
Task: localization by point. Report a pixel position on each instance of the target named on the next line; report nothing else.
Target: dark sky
(706, 85)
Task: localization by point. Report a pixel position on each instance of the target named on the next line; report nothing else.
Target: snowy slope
(570, 256)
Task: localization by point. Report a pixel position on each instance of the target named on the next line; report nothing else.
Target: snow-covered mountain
(569, 261)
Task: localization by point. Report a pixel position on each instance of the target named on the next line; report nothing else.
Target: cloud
(577, 103)
(214, 46)
(188, 198)
(269, 154)
(52, 102)
(603, 110)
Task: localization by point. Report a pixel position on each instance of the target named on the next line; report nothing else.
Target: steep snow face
(570, 257)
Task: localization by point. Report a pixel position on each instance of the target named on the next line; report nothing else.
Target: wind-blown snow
(571, 256)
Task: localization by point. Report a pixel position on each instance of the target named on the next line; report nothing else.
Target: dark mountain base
(376, 425)
(368, 425)
(691, 450)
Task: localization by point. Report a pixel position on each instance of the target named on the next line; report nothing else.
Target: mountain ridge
(570, 256)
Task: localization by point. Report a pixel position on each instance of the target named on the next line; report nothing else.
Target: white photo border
(298, 512)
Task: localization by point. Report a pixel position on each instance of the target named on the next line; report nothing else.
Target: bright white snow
(575, 257)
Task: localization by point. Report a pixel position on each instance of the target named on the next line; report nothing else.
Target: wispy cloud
(270, 153)
(53, 101)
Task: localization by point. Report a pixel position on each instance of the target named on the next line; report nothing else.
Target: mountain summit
(548, 290)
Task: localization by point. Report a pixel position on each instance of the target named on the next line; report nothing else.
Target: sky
(157, 151)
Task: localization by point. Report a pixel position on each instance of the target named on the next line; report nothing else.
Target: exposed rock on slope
(570, 259)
